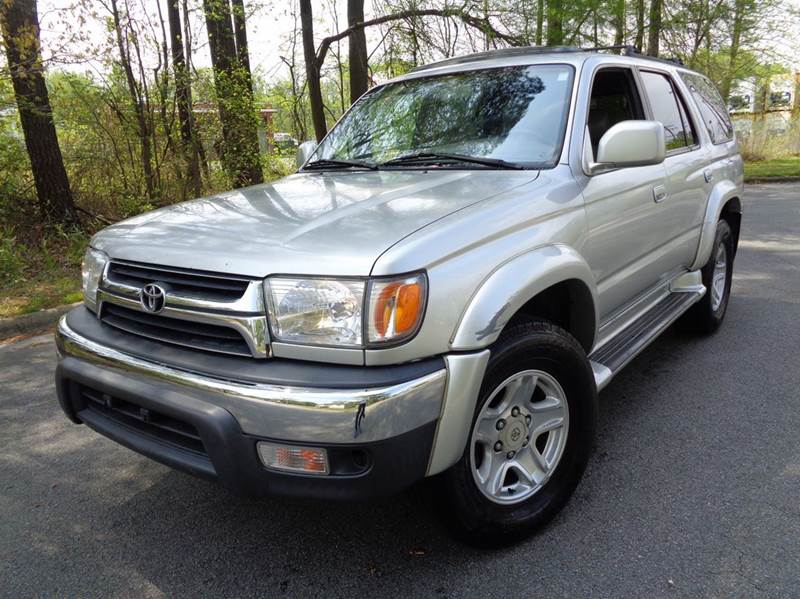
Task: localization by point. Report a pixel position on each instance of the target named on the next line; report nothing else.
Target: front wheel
(530, 439)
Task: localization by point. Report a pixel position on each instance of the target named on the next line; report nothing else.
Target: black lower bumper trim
(227, 455)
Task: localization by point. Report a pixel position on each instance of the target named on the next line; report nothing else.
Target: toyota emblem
(153, 297)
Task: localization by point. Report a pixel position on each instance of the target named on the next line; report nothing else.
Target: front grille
(196, 335)
(148, 422)
(213, 287)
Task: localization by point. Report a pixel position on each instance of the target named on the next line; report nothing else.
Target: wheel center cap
(514, 434)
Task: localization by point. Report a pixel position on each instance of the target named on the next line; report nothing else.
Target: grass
(777, 168)
(39, 294)
(40, 270)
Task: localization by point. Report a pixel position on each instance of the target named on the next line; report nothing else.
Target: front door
(625, 215)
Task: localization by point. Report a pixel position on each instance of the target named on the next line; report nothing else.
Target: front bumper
(379, 432)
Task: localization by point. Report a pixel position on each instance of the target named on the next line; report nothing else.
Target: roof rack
(626, 50)
(629, 50)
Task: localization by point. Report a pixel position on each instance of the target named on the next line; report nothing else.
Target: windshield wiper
(338, 163)
(439, 157)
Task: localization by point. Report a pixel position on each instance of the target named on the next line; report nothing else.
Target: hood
(309, 223)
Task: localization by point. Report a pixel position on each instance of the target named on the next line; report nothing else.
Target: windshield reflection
(517, 114)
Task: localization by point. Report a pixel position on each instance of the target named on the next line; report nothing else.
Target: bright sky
(269, 29)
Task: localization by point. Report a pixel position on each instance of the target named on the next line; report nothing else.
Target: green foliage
(775, 168)
(12, 256)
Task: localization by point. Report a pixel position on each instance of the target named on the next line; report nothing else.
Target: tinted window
(712, 108)
(516, 114)
(614, 99)
(667, 110)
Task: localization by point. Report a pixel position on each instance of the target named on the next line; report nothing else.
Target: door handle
(708, 174)
(659, 193)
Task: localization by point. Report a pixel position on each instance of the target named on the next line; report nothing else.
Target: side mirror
(630, 143)
(304, 151)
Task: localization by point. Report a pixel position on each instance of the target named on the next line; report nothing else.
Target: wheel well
(567, 304)
(732, 214)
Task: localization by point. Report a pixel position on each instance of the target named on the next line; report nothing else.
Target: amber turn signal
(396, 308)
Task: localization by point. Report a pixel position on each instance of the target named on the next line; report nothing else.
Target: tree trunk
(240, 36)
(359, 74)
(555, 16)
(654, 33)
(138, 105)
(539, 21)
(619, 22)
(19, 23)
(736, 37)
(183, 95)
(240, 153)
(639, 25)
(312, 70)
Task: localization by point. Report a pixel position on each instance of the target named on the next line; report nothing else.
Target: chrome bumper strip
(303, 414)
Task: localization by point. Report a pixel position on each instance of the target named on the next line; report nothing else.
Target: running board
(608, 359)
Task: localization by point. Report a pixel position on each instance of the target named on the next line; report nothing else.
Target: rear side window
(712, 108)
(667, 109)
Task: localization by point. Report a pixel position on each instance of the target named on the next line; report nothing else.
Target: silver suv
(473, 252)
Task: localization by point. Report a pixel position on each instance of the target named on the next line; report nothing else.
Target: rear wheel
(530, 440)
(706, 315)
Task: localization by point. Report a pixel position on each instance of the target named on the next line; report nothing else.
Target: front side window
(614, 99)
(667, 109)
(514, 114)
(712, 108)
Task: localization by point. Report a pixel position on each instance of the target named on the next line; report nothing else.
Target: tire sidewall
(722, 236)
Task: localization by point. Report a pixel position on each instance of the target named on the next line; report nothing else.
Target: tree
(639, 43)
(555, 23)
(183, 97)
(655, 27)
(232, 81)
(359, 74)
(19, 23)
(619, 22)
(137, 94)
(312, 70)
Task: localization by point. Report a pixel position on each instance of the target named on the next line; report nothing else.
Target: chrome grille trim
(251, 301)
(246, 315)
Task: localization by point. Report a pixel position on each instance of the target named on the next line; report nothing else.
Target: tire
(706, 315)
(501, 519)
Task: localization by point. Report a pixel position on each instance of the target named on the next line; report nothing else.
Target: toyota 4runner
(441, 290)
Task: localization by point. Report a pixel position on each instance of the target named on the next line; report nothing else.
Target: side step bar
(611, 357)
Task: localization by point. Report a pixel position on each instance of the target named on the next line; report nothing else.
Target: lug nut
(510, 455)
(525, 442)
(501, 424)
(528, 419)
(515, 411)
(498, 446)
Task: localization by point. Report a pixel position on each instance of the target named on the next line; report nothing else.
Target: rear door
(683, 204)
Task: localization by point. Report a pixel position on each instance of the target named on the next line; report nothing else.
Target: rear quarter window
(712, 108)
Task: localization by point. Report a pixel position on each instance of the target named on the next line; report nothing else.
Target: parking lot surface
(693, 489)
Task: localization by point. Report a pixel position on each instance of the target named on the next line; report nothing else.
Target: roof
(538, 51)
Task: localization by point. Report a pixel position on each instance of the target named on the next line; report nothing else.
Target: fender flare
(721, 194)
(511, 285)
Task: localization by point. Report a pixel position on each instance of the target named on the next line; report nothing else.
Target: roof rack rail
(626, 50)
(629, 50)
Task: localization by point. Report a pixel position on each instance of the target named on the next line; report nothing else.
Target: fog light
(311, 460)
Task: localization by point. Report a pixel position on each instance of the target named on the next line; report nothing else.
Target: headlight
(94, 262)
(316, 311)
(331, 311)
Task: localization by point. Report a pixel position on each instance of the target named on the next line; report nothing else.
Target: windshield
(514, 114)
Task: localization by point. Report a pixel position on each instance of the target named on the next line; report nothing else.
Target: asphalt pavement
(693, 489)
